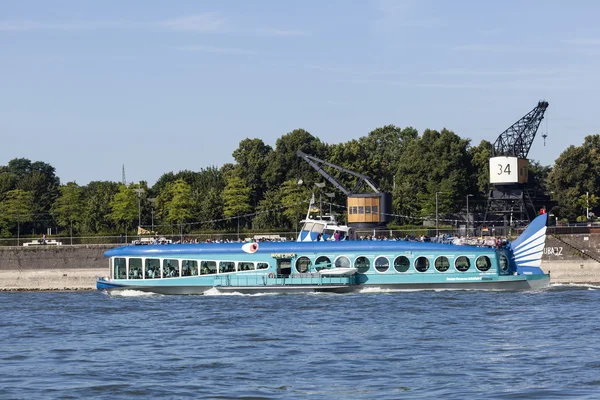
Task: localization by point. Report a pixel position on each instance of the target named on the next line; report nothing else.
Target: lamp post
(152, 203)
(320, 185)
(331, 196)
(587, 205)
(436, 214)
(469, 195)
(139, 192)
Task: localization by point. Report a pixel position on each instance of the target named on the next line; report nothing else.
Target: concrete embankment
(52, 267)
(568, 258)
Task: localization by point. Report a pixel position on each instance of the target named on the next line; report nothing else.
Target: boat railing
(271, 279)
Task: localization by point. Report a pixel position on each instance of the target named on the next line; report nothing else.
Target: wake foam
(588, 286)
(215, 292)
(132, 293)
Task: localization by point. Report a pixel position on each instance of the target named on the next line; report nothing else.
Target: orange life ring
(271, 275)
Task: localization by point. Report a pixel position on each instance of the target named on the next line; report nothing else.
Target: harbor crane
(509, 197)
(365, 210)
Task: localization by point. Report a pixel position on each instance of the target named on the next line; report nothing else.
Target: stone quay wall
(569, 259)
(52, 267)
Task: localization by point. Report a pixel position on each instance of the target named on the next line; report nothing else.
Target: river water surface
(370, 345)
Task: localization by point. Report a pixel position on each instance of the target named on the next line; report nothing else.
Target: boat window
(226, 266)
(442, 264)
(308, 226)
(422, 264)
(170, 268)
(189, 268)
(322, 262)
(245, 266)
(262, 266)
(382, 264)
(135, 268)
(152, 268)
(119, 268)
(208, 267)
(462, 264)
(342, 262)
(302, 264)
(483, 263)
(329, 232)
(362, 264)
(318, 228)
(503, 261)
(401, 264)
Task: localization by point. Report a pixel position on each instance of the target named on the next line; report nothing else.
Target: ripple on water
(363, 345)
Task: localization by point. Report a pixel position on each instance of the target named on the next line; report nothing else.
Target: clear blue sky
(169, 85)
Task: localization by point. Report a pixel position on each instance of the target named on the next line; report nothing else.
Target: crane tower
(509, 197)
(365, 210)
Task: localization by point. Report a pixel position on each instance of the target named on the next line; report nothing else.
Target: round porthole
(322, 262)
(401, 264)
(462, 264)
(382, 264)
(362, 264)
(483, 263)
(421, 264)
(302, 264)
(442, 264)
(342, 262)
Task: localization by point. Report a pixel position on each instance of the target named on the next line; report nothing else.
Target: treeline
(261, 189)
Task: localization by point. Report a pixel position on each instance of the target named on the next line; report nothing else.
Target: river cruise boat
(328, 266)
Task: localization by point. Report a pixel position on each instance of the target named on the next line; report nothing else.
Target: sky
(160, 86)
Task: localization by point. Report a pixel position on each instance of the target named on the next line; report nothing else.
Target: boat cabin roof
(342, 247)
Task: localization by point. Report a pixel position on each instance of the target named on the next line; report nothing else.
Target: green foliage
(124, 207)
(295, 201)
(15, 208)
(97, 198)
(480, 172)
(177, 209)
(210, 209)
(436, 162)
(575, 172)
(283, 163)
(67, 210)
(251, 157)
(270, 213)
(236, 197)
(265, 180)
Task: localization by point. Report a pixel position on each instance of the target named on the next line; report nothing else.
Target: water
(380, 345)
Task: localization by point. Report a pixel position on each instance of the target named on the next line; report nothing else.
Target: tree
(177, 208)
(382, 148)
(479, 170)
(251, 157)
(97, 198)
(40, 180)
(269, 212)
(436, 162)
(576, 172)
(295, 201)
(67, 210)
(15, 209)
(124, 207)
(284, 164)
(236, 197)
(210, 208)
